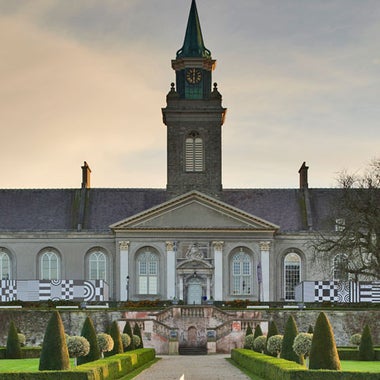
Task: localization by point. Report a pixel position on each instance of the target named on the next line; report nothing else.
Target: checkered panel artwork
(325, 291)
(8, 290)
(44, 290)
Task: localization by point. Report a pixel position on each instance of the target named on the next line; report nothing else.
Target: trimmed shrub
(258, 332)
(128, 330)
(54, 353)
(13, 344)
(366, 351)
(105, 342)
(77, 346)
(302, 344)
(248, 342)
(126, 340)
(136, 340)
(21, 339)
(116, 337)
(323, 353)
(355, 339)
(249, 330)
(274, 344)
(272, 330)
(310, 330)
(137, 331)
(88, 332)
(260, 343)
(290, 333)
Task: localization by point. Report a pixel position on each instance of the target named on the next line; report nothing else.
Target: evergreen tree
(88, 332)
(137, 331)
(310, 330)
(366, 351)
(13, 350)
(54, 353)
(272, 330)
(258, 332)
(116, 336)
(290, 333)
(323, 353)
(128, 330)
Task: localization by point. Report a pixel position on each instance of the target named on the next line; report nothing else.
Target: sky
(85, 80)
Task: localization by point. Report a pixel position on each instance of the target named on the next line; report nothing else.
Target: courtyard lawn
(351, 365)
(22, 365)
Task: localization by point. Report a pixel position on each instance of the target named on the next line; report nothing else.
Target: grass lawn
(22, 365)
(351, 365)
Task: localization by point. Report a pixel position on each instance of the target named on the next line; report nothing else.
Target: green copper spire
(193, 45)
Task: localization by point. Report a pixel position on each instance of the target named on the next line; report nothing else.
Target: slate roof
(57, 209)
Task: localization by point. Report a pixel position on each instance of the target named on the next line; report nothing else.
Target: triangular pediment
(193, 211)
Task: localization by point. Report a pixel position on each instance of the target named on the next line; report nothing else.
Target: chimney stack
(303, 176)
(86, 175)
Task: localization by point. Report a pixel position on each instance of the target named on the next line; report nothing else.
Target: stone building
(192, 241)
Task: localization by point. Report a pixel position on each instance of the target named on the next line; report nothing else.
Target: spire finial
(193, 45)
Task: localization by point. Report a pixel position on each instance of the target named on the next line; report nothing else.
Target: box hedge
(270, 368)
(110, 368)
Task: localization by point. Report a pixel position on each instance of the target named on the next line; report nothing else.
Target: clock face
(193, 76)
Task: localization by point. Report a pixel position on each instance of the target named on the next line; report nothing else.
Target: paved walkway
(204, 367)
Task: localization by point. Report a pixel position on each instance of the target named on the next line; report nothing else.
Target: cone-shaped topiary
(116, 336)
(249, 330)
(13, 350)
(366, 351)
(272, 330)
(290, 333)
(88, 332)
(128, 330)
(137, 331)
(323, 353)
(258, 332)
(54, 353)
(310, 330)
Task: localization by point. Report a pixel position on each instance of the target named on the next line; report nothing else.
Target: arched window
(241, 273)
(194, 160)
(147, 269)
(5, 265)
(97, 266)
(340, 265)
(292, 274)
(50, 266)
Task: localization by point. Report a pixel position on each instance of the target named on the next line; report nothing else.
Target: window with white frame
(97, 266)
(5, 265)
(292, 274)
(50, 266)
(340, 264)
(147, 269)
(241, 263)
(194, 156)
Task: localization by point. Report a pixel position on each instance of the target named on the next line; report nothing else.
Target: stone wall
(32, 323)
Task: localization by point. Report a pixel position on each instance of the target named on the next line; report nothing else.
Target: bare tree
(356, 214)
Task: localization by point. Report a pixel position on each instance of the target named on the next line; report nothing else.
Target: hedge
(350, 353)
(110, 368)
(26, 352)
(270, 368)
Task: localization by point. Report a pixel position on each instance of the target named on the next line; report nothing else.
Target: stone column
(218, 274)
(264, 264)
(208, 287)
(124, 270)
(180, 295)
(170, 270)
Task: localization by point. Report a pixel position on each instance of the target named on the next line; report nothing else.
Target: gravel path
(207, 367)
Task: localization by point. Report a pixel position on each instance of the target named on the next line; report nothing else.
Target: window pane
(292, 271)
(143, 285)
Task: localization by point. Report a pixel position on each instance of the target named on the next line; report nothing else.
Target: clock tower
(194, 116)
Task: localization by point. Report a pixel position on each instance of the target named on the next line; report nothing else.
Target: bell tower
(194, 116)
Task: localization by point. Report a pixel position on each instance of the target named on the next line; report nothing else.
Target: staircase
(192, 350)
